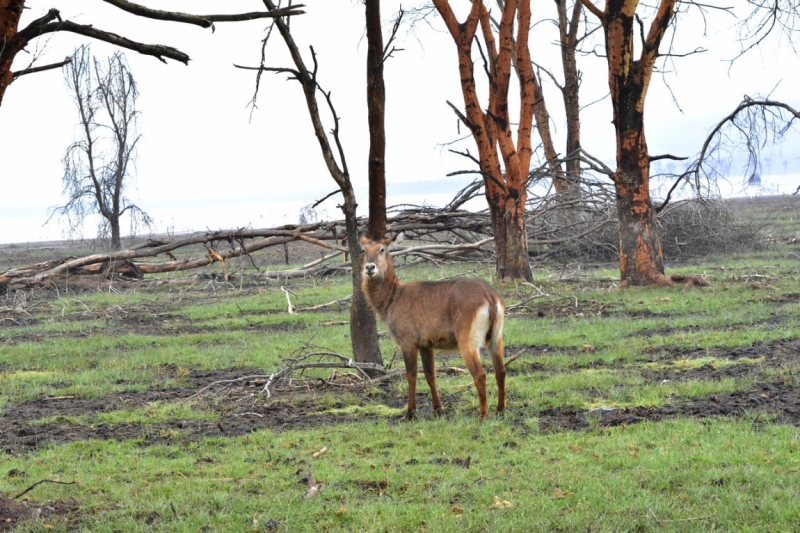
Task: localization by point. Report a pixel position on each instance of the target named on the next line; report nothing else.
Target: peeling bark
(641, 257)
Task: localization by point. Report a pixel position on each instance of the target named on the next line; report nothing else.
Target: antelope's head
(377, 261)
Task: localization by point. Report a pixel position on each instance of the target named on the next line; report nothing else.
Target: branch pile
(581, 225)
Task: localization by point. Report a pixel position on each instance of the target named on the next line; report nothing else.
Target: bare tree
(363, 325)
(747, 130)
(13, 39)
(98, 166)
(767, 17)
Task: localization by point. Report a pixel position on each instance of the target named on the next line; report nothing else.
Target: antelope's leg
(499, 373)
(472, 358)
(410, 359)
(429, 367)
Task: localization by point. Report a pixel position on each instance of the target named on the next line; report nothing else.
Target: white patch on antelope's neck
(480, 326)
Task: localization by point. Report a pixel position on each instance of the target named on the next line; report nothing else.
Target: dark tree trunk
(517, 263)
(116, 241)
(376, 105)
(571, 91)
(640, 257)
(363, 327)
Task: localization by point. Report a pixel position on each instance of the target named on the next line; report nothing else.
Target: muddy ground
(769, 397)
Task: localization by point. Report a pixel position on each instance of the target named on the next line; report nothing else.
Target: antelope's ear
(362, 238)
(397, 239)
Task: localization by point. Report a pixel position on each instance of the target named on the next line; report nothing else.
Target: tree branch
(60, 64)
(667, 156)
(205, 21)
(37, 28)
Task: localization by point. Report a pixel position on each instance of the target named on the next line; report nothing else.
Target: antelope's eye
(381, 250)
(363, 251)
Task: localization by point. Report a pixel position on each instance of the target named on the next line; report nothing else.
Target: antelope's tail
(498, 315)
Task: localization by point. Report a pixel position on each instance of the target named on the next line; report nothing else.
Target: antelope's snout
(370, 269)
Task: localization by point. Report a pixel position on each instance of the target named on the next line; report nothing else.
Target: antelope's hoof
(411, 415)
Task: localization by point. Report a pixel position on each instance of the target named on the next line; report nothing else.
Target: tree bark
(568, 31)
(641, 258)
(376, 112)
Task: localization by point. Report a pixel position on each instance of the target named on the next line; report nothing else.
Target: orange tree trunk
(641, 259)
(10, 11)
(506, 184)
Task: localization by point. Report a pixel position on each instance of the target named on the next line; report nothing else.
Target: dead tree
(640, 254)
(363, 326)
(14, 39)
(98, 166)
(491, 129)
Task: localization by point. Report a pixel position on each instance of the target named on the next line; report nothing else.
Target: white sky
(204, 164)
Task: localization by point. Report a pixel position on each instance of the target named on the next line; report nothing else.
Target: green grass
(672, 476)
(595, 347)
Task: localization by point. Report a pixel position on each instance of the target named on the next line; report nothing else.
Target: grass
(672, 476)
(584, 347)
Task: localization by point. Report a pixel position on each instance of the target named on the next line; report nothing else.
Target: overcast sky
(206, 162)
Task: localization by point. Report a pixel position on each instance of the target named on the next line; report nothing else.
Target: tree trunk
(363, 327)
(517, 263)
(543, 127)
(10, 12)
(505, 185)
(376, 105)
(363, 324)
(568, 30)
(640, 257)
(641, 261)
(116, 241)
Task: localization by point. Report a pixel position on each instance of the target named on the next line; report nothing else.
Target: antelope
(460, 313)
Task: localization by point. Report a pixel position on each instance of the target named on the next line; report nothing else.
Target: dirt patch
(772, 353)
(566, 307)
(13, 512)
(241, 410)
(779, 401)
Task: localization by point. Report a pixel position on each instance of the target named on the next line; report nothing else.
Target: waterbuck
(462, 313)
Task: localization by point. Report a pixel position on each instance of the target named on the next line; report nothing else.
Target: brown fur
(426, 315)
